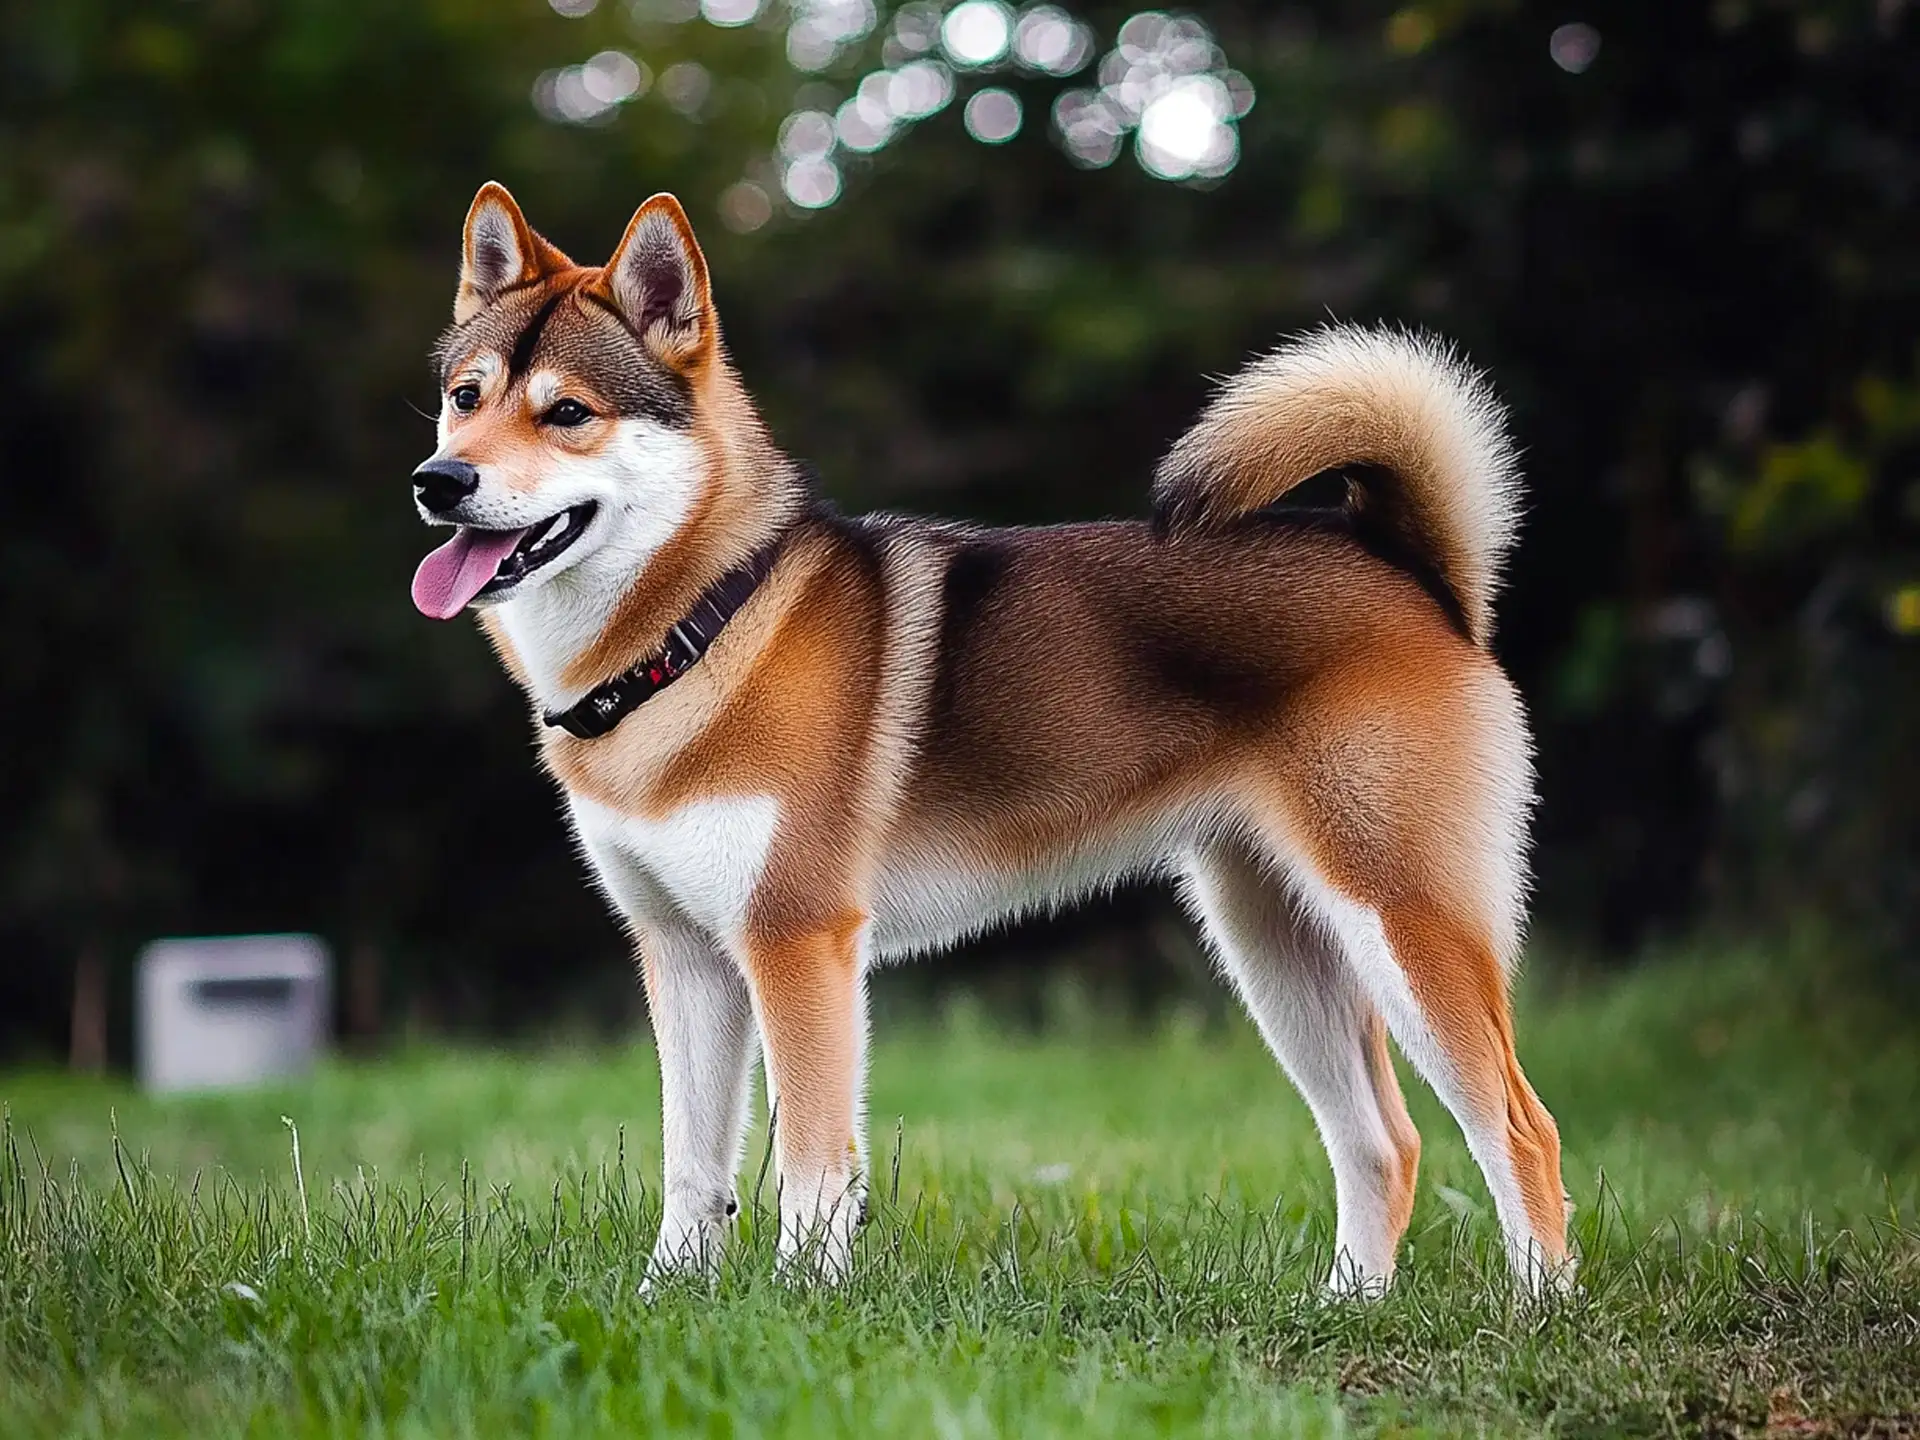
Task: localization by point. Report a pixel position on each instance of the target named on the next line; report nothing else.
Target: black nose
(443, 484)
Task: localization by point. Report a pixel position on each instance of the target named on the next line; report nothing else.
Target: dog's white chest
(702, 860)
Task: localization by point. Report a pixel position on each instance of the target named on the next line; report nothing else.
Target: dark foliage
(228, 231)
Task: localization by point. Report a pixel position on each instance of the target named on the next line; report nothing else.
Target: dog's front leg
(703, 1028)
(811, 995)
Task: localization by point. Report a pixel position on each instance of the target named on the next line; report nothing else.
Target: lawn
(1098, 1231)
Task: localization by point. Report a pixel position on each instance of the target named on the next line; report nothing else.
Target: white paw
(817, 1230)
(687, 1246)
(1541, 1277)
(1353, 1280)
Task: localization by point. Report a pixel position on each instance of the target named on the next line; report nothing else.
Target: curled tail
(1419, 431)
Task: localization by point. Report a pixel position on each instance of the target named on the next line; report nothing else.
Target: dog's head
(568, 398)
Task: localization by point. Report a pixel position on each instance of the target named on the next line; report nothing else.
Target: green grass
(1094, 1233)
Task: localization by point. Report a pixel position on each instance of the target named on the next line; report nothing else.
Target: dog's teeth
(553, 531)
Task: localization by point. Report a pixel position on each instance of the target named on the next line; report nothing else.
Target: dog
(794, 745)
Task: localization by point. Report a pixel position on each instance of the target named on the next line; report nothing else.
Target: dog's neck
(613, 609)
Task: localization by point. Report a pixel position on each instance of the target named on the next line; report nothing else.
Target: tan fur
(1400, 1129)
(1342, 397)
(1458, 983)
(930, 705)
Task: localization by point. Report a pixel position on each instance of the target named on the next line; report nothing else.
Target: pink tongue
(451, 576)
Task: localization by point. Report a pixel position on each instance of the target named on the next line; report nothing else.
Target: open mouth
(478, 563)
(540, 545)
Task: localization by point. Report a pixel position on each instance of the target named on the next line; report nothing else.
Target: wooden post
(363, 993)
(87, 1047)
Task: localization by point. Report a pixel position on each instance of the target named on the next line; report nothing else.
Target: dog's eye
(466, 398)
(567, 414)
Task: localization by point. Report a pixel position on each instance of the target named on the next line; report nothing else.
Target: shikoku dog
(796, 745)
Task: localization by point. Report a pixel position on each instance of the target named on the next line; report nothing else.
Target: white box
(228, 1011)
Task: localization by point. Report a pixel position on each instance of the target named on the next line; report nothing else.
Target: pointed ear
(658, 279)
(498, 252)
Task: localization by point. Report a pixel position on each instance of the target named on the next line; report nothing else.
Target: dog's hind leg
(1401, 819)
(1323, 1029)
(1437, 978)
(703, 1028)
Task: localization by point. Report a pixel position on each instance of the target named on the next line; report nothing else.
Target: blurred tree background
(977, 260)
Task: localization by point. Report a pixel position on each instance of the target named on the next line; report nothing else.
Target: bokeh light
(977, 32)
(863, 124)
(812, 184)
(1574, 47)
(918, 90)
(1051, 41)
(1165, 86)
(730, 12)
(573, 9)
(589, 94)
(807, 135)
(612, 77)
(1090, 130)
(822, 28)
(884, 102)
(1168, 82)
(745, 207)
(916, 30)
(1183, 132)
(685, 86)
(993, 116)
(1240, 89)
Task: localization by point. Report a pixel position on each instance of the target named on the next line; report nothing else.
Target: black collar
(605, 706)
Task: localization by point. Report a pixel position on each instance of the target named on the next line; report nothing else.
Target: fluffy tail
(1419, 431)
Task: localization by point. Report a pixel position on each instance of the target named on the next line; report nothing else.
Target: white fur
(820, 1212)
(482, 370)
(1496, 842)
(703, 1027)
(698, 865)
(927, 901)
(685, 880)
(543, 388)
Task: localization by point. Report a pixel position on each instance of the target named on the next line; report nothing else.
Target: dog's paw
(1351, 1280)
(816, 1239)
(687, 1247)
(1541, 1278)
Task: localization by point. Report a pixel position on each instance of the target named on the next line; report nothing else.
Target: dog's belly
(928, 901)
